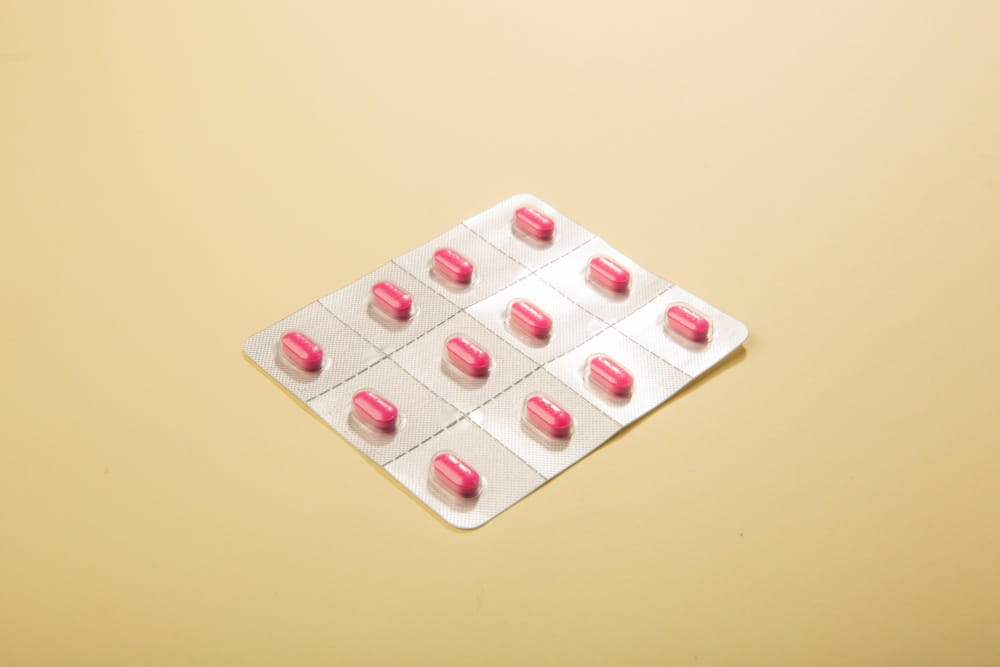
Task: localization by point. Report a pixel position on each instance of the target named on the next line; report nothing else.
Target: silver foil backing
(481, 419)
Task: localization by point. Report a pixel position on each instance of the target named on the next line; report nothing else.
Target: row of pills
(447, 470)
(306, 355)
(543, 415)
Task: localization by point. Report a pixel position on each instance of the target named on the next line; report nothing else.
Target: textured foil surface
(481, 419)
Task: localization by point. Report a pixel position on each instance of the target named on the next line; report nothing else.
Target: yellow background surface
(176, 177)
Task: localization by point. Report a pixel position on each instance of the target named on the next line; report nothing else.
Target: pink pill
(456, 475)
(392, 299)
(452, 266)
(609, 274)
(609, 375)
(301, 351)
(467, 356)
(534, 223)
(688, 322)
(529, 318)
(547, 416)
(374, 410)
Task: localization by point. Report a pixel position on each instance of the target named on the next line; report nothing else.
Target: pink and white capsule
(609, 375)
(467, 357)
(456, 475)
(609, 274)
(392, 299)
(547, 416)
(529, 318)
(534, 223)
(300, 350)
(688, 322)
(451, 265)
(374, 410)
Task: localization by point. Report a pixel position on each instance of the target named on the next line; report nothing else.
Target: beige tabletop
(175, 177)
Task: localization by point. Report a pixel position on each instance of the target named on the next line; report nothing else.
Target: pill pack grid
(481, 419)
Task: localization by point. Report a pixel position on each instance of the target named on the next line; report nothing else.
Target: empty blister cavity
(651, 328)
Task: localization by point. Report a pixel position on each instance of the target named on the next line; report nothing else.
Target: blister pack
(482, 364)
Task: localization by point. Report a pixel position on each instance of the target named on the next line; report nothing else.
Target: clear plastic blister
(492, 270)
(505, 478)
(421, 413)
(571, 324)
(356, 306)
(572, 276)
(490, 359)
(647, 326)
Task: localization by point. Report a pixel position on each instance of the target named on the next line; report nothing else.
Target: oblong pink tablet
(374, 410)
(455, 474)
(688, 322)
(609, 274)
(609, 375)
(534, 223)
(300, 350)
(547, 416)
(529, 318)
(453, 266)
(467, 356)
(392, 299)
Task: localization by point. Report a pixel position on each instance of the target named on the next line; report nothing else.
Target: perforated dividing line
(653, 352)
(534, 272)
(516, 261)
(386, 356)
(347, 379)
(537, 367)
(610, 326)
(465, 414)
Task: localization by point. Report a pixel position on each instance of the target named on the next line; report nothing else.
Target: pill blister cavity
(533, 225)
(374, 411)
(301, 351)
(455, 476)
(547, 417)
(392, 300)
(467, 356)
(609, 376)
(452, 267)
(683, 320)
(529, 320)
(608, 274)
